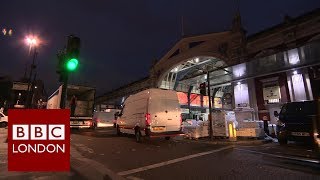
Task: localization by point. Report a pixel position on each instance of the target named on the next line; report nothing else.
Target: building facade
(249, 77)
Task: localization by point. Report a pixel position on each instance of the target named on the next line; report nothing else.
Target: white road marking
(132, 171)
(281, 156)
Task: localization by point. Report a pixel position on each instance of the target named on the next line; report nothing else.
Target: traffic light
(68, 59)
(203, 89)
(72, 53)
(72, 64)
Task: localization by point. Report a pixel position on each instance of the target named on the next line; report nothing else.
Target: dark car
(299, 122)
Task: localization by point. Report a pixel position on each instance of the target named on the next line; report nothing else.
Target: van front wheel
(138, 135)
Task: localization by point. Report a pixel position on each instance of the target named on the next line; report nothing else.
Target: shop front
(246, 95)
(263, 85)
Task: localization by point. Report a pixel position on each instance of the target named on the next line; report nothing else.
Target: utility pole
(189, 100)
(64, 92)
(33, 66)
(210, 107)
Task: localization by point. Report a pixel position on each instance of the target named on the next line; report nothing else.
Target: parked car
(299, 122)
(151, 113)
(3, 120)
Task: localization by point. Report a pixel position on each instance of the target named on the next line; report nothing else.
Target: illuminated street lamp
(31, 41)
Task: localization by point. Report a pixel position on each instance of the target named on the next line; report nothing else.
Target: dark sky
(121, 38)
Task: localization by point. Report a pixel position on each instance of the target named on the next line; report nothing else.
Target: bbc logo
(38, 132)
(39, 140)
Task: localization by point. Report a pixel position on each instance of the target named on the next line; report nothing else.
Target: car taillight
(148, 119)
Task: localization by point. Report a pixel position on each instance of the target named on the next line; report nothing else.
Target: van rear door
(165, 115)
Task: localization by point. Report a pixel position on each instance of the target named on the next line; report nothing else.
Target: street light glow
(31, 41)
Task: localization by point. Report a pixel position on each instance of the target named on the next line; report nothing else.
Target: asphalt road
(187, 159)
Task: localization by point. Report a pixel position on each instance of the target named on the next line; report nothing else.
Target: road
(189, 159)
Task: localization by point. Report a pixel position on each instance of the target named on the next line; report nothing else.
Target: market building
(249, 77)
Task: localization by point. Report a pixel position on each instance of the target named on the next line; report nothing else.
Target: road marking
(283, 157)
(132, 171)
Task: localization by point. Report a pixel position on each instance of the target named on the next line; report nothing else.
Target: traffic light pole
(68, 62)
(210, 108)
(64, 90)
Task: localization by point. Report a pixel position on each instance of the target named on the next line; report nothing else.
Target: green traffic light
(72, 64)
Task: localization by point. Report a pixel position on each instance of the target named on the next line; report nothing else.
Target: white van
(152, 113)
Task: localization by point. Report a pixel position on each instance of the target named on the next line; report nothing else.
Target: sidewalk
(81, 167)
(89, 168)
(239, 141)
(4, 174)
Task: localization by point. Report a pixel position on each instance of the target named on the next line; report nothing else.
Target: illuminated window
(293, 56)
(239, 70)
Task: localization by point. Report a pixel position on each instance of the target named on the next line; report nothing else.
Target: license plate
(75, 122)
(158, 128)
(300, 134)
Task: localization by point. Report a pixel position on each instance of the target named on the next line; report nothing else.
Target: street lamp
(32, 42)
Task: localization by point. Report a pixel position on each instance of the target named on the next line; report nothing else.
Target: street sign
(20, 86)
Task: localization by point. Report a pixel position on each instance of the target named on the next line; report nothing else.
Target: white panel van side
(152, 113)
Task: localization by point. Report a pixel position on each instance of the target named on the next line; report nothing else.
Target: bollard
(232, 131)
(273, 133)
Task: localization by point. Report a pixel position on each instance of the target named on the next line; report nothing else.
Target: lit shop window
(241, 95)
(271, 94)
(298, 87)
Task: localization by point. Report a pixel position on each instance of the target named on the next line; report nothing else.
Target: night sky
(121, 38)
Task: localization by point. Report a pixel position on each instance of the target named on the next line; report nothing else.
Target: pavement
(238, 141)
(81, 167)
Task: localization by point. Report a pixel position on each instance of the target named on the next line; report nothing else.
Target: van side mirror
(276, 114)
